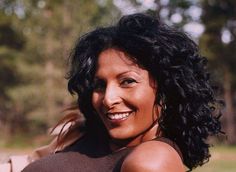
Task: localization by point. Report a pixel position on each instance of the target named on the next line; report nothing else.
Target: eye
(99, 85)
(128, 81)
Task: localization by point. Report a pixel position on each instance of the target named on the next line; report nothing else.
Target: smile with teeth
(118, 116)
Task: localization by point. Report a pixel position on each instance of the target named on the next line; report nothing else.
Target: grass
(24, 141)
(223, 160)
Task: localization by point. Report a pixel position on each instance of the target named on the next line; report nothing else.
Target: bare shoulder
(153, 156)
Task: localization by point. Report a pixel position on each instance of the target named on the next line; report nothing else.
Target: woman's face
(124, 96)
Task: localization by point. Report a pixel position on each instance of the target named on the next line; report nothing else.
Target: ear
(159, 110)
(156, 112)
(152, 81)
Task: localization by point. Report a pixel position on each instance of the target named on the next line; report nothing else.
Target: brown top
(86, 155)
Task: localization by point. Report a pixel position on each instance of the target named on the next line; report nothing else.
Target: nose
(111, 97)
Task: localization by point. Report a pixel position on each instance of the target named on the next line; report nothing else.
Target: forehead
(113, 63)
(112, 58)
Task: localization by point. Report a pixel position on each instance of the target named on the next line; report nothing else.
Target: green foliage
(219, 19)
(7, 72)
(8, 35)
(36, 37)
(11, 43)
(217, 16)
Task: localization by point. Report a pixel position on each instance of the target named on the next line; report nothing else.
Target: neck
(149, 134)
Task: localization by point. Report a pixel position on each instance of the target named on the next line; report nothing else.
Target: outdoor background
(36, 37)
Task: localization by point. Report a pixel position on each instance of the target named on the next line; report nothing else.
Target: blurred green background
(36, 37)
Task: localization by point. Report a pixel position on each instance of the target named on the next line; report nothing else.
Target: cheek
(96, 101)
(143, 98)
(147, 92)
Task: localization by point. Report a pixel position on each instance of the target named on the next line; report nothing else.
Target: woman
(146, 97)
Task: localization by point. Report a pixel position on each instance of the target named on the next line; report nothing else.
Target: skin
(123, 87)
(153, 156)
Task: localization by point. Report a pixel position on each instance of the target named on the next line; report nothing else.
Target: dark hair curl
(172, 58)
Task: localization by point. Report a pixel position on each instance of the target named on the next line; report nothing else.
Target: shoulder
(43, 164)
(153, 156)
(53, 162)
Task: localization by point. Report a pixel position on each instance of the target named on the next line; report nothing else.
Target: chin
(123, 134)
(119, 134)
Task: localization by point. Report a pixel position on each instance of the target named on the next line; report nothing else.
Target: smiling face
(124, 96)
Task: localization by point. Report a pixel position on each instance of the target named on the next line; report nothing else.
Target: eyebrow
(120, 74)
(129, 71)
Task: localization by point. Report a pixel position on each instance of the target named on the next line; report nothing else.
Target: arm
(16, 163)
(153, 156)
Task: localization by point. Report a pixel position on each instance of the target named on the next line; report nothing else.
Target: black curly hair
(172, 58)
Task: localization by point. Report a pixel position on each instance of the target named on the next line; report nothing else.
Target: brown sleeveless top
(86, 155)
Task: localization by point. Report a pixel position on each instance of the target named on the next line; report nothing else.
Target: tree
(11, 43)
(50, 29)
(218, 43)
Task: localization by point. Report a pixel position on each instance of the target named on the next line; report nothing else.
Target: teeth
(118, 115)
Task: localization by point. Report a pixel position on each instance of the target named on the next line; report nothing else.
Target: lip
(119, 120)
